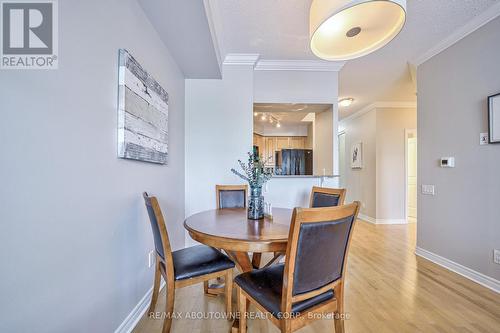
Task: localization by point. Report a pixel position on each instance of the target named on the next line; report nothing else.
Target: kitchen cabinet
(297, 142)
(270, 148)
(269, 145)
(258, 140)
(282, 143)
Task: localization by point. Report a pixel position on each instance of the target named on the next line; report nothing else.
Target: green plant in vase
(256, 174)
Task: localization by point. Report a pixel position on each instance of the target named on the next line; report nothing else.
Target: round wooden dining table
(230, 229)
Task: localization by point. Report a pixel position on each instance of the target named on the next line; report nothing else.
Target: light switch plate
(483, 139)
(151, 258)
(428, 189)
(496, 256)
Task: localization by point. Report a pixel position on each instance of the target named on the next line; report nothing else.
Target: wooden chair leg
(229, 293)
(167, 323)
(276, 258)
(205, 287)
(156, 288)
(286, 326)
(256, 257)
(242, 306)
(339, 314)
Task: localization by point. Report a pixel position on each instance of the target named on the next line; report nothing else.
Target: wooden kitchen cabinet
(282, 143)
(269, 145)
(258, 140)
(297, 142)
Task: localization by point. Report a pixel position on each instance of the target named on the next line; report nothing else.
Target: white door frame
(408, 131)
(341, 181)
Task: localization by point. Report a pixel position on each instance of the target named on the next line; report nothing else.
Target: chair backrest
(326, 197)
(231, 196)
(160, 234)
(317, 250)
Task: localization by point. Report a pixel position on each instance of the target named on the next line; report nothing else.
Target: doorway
(411, 175)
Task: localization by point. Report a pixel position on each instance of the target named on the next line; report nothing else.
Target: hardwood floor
(388, 289)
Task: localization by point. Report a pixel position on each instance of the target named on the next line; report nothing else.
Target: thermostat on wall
(447, 162)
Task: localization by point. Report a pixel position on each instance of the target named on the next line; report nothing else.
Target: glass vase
(255, 204)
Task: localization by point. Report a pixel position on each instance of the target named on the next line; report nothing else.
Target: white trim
(477, 22)
(372, 220)
(299, 65)
(470, 274)
(359, 113)
(137, 312)
(366, 218)
(211, 11)
(380, 105)
(408, 131)
(246, 59)
(391, 221)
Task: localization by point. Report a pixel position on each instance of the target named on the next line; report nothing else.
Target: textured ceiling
(278, 29)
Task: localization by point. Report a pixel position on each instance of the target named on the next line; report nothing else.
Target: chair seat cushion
(265, 286)
(199, 260)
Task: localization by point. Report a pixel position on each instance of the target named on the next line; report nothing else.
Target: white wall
(323, 143)
(219, 122)
(294, 192)
(461, 222)
(74, 231)
(219, 127)
(310, 136)
(300, 87)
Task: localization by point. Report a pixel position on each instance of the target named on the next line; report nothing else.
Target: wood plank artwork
(142, 113)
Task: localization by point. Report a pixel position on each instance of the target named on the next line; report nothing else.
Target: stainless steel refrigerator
(294, 162)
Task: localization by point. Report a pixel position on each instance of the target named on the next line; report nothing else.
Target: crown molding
(379, 105)
(245, 59)
(211, 12)
(477, 22)
(299, 65)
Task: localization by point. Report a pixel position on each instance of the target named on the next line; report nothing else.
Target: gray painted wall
(74, 235)
(462, 222)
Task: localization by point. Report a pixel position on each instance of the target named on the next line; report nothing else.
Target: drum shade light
(348, 29)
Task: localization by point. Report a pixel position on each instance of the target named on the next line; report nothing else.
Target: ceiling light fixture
(255, 114)
(348, 29)
(278, 124)
(264, 117)
(345, 102)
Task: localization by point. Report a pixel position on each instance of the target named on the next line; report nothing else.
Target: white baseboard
(137, 312)
(372, 220)
(391, 221)
(366, 218)
(470, 274)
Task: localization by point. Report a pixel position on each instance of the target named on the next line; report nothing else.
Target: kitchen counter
(305, 176)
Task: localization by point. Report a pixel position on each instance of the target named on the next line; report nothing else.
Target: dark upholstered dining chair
(183, 267)
(311, 281)
(326, 197)
(234, 196)
(231, 196)
(228, 196)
